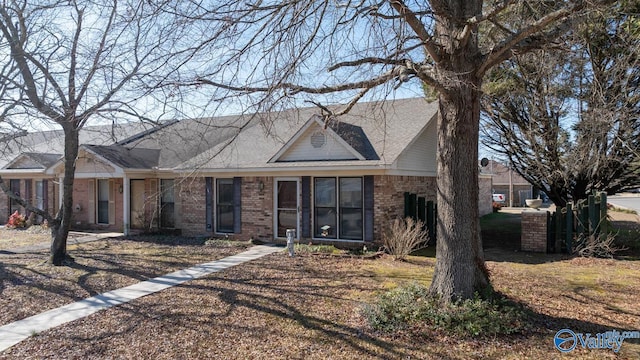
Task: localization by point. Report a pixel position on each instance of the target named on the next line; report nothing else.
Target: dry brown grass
(308, 307)
(29, 285)
(11, 238)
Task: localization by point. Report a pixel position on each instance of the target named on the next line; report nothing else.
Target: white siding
(302, 150)
(421, 155)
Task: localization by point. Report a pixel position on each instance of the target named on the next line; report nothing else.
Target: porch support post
(126, 206)
(60, 193)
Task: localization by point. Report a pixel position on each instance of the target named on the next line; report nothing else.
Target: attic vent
(318, 139)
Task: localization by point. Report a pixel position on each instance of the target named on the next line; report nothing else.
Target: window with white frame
(103, 201)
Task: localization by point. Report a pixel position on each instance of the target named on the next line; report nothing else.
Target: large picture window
(224, 206)
(338, 210)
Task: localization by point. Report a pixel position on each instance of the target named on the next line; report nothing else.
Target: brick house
(254, 176)
(26, 160)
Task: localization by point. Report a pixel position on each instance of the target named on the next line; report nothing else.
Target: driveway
(628, 201)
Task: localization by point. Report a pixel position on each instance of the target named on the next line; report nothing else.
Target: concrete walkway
(15, 332)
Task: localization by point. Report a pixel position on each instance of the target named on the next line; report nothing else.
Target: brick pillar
(534, 230)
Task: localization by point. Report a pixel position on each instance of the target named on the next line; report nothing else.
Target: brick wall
(256, 214)
(257, 205)
(191, 205)
(534, 231)
(257, 208)
(80, 219)
(388, 200)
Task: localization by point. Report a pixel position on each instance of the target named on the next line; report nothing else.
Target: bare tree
(568, 118)
(67, 63)
(272, 52)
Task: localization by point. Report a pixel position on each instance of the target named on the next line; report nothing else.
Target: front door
(286, 206)
(137, 204)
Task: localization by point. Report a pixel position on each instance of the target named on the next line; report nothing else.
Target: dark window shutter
(368, 208)
(209, 202)
(237, 203)
(306, 207)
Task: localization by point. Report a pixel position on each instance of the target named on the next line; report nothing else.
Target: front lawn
(306, 307)
(12, 239)
(29, 285)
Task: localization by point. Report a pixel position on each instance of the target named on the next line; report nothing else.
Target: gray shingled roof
(127, 158)
(356, 138)
(52, 141)
(180, 141)
(45, 160)
(380, 131)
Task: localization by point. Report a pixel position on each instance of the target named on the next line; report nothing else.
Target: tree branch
(503, 50)
(418, 27)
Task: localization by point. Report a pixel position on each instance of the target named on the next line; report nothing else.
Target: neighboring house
(26, 158)
(508, 182)
(256, 176)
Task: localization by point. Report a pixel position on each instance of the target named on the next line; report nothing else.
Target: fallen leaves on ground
(308, 307)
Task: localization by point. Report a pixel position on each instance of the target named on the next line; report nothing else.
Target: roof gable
(33, 161)
(317, 142)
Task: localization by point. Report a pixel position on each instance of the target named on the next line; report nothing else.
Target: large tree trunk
(60, 230)
(460, 268)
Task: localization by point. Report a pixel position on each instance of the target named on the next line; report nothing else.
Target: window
(40, 198)
(167, 203)
(224, 206)
(14, 185)
(351, 208)
(103, 201)
(338, 211)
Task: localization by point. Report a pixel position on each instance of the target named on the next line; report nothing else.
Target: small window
(224, 206)
(167, 204)
(103, 201)
(39, 198)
